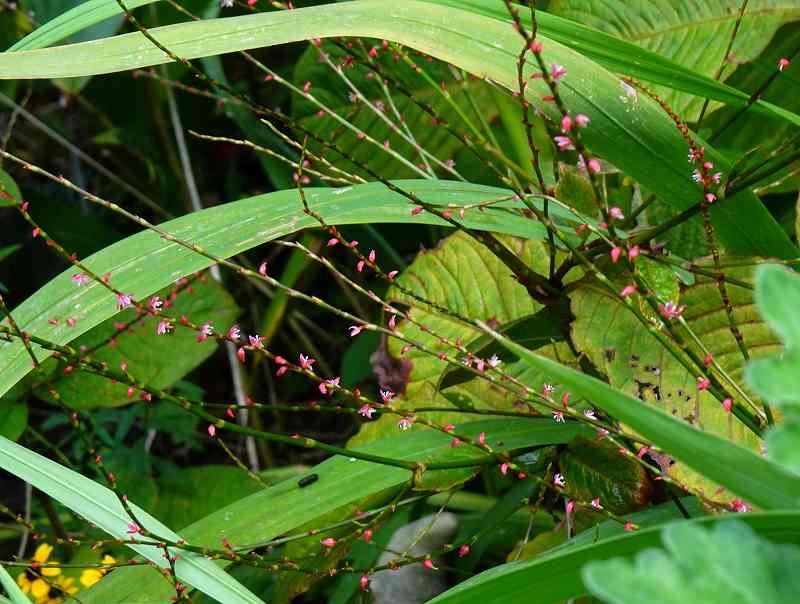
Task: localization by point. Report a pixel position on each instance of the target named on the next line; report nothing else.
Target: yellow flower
(90, 576)
(32, 580)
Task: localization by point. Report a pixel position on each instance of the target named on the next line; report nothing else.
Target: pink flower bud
(212, 430)
(367, 535)
(328, 542)
(241, 353)
(581, 120)
(703, 384)
(783, 63)
(616, 213)
(628, 290)
(594, 165)
(363, 582)
(727, 404)
(566, 123)
(633, 253)
(463, 550)
(616, 252)
(417, 210)
(262, 269)
(536, 46)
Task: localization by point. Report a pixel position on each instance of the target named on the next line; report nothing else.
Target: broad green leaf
(144, 263)
(694, 35)
(341, 481)
(744, 473)
(624, 350)
(557, 576)
(101, 507)
(633, 134)
(464, 277)
(728, 563)
(777, 378)
(157, 361)
(594, 469)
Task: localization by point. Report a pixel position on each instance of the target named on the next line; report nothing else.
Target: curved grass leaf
(557, 576)
(612, 53)
(692, 34)
(285, 507)
(101, 507)
(633, 134)
(759, 481)
(623, 57)
(144, 263)
(12, 589)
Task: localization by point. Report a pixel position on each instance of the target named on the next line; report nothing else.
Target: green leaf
(12, 589)
(7, 250)
(636, 363)
(144, 264)
(648, 148)
(464, 277)
(694, 35)
(153, 364)
(187, 495)
(777, 378)
(614, 54)
(13, 418)
(557, 576)
(594, 469)
(757, 480)
(9, 192)
(748, 132)
(101, 507)
(341, 481)
(730, 563)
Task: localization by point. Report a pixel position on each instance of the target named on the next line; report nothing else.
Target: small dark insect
(307, 480)
(610, 354)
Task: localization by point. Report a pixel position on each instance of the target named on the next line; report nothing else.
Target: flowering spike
(80, 279)
(557, 71)
(563, 142)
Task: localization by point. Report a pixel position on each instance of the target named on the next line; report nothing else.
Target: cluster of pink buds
(670, 310)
